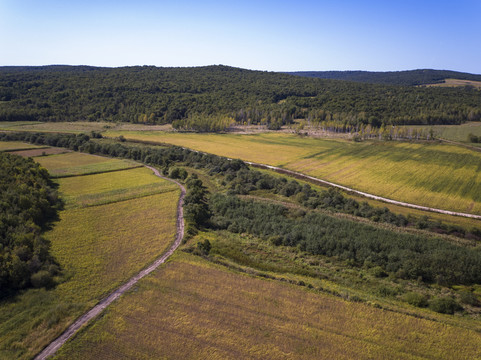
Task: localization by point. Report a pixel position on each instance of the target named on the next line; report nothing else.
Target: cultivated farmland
(192, 309)
(436, 175)
(98, 248)
(15, 145)
(74, 163)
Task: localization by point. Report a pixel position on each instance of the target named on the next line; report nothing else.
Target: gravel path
(97, 309)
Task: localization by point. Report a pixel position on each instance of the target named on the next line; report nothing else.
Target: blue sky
(262, 35)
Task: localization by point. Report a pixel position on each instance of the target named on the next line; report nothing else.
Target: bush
(444, 305)
(42, 279)
(416, 299)
(468, 298)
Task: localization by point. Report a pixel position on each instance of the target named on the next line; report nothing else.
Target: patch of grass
(98, 189)
(193, 309)
(75, 163)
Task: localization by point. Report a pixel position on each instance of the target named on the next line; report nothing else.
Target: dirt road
(97, 309)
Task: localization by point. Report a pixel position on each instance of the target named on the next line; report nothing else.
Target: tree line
(404, 255)
(28, 204)
(193, 97)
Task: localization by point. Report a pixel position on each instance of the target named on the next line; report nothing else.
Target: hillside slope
(162, 95)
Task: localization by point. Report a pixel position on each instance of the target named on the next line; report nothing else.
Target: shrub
(42, 279)
(468, 298)
(444, 305)
(416, 299)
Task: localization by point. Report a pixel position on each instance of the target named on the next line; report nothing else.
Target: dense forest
(28, 203)
(221, 94)
(406, 78)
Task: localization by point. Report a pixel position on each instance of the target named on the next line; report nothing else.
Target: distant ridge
(407, 78)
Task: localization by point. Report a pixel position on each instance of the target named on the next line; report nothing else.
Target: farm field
(436, 175)
(98, 248)
(224, 314)
(111, 187)
(455, 132)
(74, 163)
(16, 145)
(40, 152)
(457, 83)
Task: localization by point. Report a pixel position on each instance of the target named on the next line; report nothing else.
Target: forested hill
(151, 94)
(407, 78)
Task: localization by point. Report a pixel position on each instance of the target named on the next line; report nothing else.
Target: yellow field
(16, 145)
(457, 83)
(98, 248)
(75, 163)
(436, 175)
(82, 191)
(190, 309)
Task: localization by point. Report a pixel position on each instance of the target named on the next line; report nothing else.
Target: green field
(98, 189)
(455, 132)
(98, 248)
(16, 145)
(437, 175)
(74, 163)
(191, 309)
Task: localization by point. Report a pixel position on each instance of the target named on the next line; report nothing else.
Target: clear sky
(262, 35)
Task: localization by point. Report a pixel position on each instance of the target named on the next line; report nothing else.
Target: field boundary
(52, 348)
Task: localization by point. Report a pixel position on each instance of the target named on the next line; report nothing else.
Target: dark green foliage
(469, 298)
(444, 305)
(416, 299)
(407, 256)
(178, 173)
(204, 247)
(206, 98)
(473, 138)
(408, 78)
(28, 204)
(195, 203)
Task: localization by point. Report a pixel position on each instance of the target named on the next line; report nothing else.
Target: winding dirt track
(97, 309)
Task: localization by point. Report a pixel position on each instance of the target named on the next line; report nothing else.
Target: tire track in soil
(52, 348)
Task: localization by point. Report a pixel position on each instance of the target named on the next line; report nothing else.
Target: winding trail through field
(367, 195)
(97, 309)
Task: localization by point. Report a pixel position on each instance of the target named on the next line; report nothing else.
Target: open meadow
(431, 174)
(98, 248)
(190, 308)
